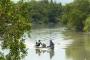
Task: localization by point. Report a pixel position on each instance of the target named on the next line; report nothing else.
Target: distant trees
(76, 14)
(73, 15)
(44, 12)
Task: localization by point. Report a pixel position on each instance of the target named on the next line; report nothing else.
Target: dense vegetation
(44, 12)
(16, 18)
(13, 23)
(76, 15)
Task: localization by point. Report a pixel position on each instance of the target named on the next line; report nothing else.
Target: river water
(69, 45)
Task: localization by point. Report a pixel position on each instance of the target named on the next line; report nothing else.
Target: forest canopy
(73, 15)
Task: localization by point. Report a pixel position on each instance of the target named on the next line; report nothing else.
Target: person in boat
(51, 44)
(38, 43)
(43, 45)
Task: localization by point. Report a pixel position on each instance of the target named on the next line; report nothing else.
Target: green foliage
(44, 12)
(75, 14)
(16, 18)
(13, 23)
(87, 25)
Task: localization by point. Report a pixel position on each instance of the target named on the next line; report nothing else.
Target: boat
(44, 48)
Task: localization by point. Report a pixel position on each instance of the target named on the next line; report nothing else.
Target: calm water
(69, 45)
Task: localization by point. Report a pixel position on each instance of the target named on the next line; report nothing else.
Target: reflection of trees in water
(80, 48)
(51, 52)
(78, 52)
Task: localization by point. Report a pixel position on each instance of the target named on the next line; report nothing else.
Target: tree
(75, 14)
(87, 24)
(13, 24)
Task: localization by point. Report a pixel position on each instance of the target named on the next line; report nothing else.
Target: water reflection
(68, 45)
(50, 51)
(38, 52)
(80, 48)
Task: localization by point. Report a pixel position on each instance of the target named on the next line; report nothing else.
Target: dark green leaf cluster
(44, 12)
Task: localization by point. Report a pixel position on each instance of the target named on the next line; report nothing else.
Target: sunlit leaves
(87, 25)
(13, 24)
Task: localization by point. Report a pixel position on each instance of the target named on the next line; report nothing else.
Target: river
(69, 45)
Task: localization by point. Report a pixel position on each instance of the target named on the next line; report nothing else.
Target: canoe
(43, 48)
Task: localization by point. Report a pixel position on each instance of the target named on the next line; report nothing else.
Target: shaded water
(69, 45)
